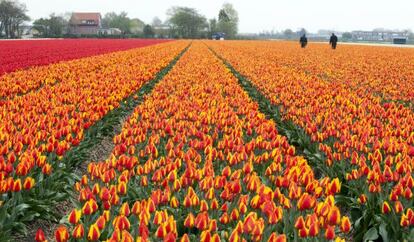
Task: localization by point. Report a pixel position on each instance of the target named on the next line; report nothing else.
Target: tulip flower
(61, 234)
(78, 232)
(40, 236)
(29, 182)
(345, 224)
(74, 216)
(94, 233)
(330, 233)
(385, 208)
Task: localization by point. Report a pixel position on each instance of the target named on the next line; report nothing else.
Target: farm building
(85, 23)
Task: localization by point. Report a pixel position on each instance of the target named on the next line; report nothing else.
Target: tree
(42, 26)
(120, 21)
(288, 33)
(156, 21)
(148, 32)
(137, 26)
(212, 26)
(53, 26)
(187, 22)
(302, 31)
(347, 36)
(12, 15)
(228, 20)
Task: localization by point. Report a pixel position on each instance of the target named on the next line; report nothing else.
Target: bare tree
(12, 15)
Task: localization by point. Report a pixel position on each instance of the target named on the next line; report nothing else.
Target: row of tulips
(366, 142)
(198, 161)
(38, 128)
(21, 54)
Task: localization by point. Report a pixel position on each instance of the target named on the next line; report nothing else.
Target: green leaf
(383, 232)
(371, 234)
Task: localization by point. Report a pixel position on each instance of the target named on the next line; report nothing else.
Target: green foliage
(228, 21)
(347, 36)
(120, 21)
(148, 31)
(187, 22)
(54, 26)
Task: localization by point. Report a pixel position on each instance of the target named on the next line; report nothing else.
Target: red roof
(77, 18)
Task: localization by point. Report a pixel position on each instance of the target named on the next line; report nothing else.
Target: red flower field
(20, 54)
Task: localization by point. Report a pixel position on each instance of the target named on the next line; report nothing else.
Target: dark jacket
(333, 39)
(303, 41)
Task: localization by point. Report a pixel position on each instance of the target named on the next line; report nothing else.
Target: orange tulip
(61, 234)
(78, 232)
(29, 183)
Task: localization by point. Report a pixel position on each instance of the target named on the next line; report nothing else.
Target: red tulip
(40, 236)
(61, 234)
(330, 233)
(94, 233)
(78, 232)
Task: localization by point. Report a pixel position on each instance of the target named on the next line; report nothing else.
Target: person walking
(303, 41)
(333, 41)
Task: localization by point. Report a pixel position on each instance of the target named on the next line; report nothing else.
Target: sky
(257, 15)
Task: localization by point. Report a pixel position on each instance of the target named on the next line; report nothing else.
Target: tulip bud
(189, 221)
(334, 216)
(300, 223)
(17, 185)
(314, 229)
(61, 234)
(330, 233)
(94, 233)
(78, 232)
(29, 182)
(345, 224)
(185, 238)
(398, 207)
(122, 188)
(74, 216)
(385, 208)
(40, 236)
(362, 199)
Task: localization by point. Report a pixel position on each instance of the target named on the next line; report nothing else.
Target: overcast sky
(256, 15)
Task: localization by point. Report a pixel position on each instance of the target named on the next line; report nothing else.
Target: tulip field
(19, 55)
(206, 141)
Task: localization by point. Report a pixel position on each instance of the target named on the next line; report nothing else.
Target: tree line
(181, 22)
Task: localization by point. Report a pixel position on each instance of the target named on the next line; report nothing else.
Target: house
(85, 23)
(27, 31)
(378, 35)
(109, 31)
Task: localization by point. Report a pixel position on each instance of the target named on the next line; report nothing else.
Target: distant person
(333, 41)
(303, 41)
